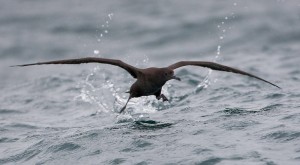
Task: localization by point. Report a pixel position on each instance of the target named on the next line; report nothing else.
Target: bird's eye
(166, 74)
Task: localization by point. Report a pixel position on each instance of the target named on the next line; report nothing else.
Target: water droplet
(221, 37)
(110, 16)
(223, 30)
(101, 35)
(98, 40)
(223, 23)
(218, 51)
(105, 31)
(96, 51)
(234, 4)
(226, 18)
(102, 25)
(219, 26)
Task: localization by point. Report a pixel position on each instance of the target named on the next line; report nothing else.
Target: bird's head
(168, 74)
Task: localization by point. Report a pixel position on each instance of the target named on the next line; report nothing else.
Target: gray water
(60, 114)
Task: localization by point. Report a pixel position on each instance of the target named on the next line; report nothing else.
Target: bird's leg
(164, 97)
(125, 105)
(159, 96)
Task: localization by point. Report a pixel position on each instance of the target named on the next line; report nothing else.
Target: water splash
(109, 97)
(205, 82)
(223, 28)
(103, 29)
(90, 92)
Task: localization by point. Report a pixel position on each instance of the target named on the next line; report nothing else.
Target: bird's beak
(176, 78)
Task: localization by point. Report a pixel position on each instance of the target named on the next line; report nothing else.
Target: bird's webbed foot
(162, 96)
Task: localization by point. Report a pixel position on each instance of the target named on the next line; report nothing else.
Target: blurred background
(67, 114)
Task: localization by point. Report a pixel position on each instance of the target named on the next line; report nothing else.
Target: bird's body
(150, 80)
(147, 82)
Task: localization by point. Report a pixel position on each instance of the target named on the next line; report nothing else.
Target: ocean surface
(68, 114)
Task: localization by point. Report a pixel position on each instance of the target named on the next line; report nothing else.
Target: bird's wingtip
(19, 65)
(278, 87)
(275, 85)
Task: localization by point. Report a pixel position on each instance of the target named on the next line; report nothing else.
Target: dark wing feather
(132, 70)
(215, 66)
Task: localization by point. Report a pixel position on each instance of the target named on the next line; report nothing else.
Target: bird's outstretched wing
(215, 66)
(132, 70)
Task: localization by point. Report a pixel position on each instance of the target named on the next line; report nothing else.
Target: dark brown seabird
(150, 80)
